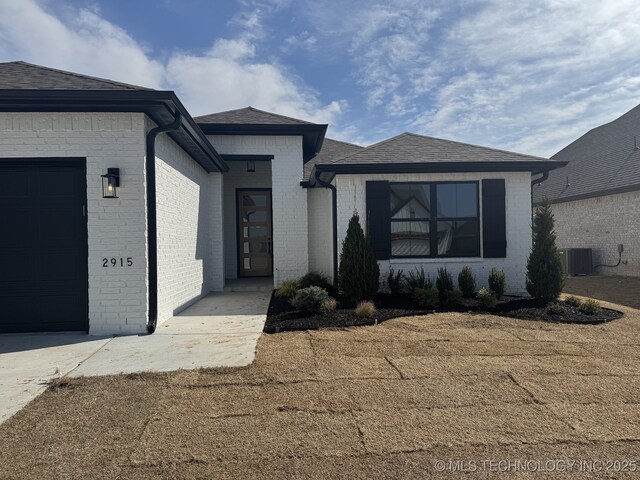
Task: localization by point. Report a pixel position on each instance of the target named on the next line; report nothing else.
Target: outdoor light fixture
(110, 181)
(251, 165)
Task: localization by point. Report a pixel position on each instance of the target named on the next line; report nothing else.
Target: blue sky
(524, 76)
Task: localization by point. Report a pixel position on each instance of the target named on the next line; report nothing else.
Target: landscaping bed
(282, 316)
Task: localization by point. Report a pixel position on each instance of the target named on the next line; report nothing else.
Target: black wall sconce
(110, 181)
(251, 165)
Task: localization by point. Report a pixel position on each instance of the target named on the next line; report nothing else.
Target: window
(451, 229)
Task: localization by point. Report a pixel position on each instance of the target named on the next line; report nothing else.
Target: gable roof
(412, 153)
(603, 161)
(251, 121)
(251, 116)
(25, 87)
(27, 76)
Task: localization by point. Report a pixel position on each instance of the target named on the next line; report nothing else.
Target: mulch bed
(281, 316)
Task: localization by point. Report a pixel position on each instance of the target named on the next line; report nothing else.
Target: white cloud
(529, 76)
(85, 44)
(225, 77)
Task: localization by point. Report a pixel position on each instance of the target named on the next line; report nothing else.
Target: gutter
(334, 208)
(152, 221)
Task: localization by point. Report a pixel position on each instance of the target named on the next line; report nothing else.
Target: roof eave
(312, 134)
(328, 171)
(158, 105)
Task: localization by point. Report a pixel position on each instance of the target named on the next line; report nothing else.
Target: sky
(527, 76)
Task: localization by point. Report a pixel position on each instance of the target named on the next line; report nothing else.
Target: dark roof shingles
(603, 159)
(331, 150)
(26, 76)
(412, 148)
(249, 116)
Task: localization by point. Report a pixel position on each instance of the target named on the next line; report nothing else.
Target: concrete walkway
(220, 330)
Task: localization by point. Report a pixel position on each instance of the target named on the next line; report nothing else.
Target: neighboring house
(596, 196)
(235, 194)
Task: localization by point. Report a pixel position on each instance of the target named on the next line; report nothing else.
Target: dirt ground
(616, 289)
(389, 401)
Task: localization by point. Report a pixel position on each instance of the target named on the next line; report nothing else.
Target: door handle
(269, 245)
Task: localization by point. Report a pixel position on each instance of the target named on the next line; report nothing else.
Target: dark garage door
(43, 246)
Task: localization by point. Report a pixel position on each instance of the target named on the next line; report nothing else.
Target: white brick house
(200, 202)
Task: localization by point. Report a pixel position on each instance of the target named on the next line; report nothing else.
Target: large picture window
(434, 219)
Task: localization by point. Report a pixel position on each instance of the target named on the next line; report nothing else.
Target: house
(119, 208)
(596, 196)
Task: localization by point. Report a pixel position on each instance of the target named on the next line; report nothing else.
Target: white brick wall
(601, 224)
(289, 199)
(320, 231)
(186, 214)
(116, 227)
(352, 196)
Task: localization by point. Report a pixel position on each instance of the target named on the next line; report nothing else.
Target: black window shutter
(494, 227)
(378, 222)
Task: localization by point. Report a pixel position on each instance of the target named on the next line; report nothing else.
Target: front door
(255, 252)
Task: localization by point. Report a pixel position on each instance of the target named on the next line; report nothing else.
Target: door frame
(81, 164)
(237, 214)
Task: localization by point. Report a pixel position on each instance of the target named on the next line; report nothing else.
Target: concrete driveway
(220, 330)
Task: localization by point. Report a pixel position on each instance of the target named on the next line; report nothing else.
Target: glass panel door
(255, 249)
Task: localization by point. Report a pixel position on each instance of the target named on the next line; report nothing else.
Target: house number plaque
(117, 262)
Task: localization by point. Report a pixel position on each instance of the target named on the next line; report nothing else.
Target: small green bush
(425, 297)
(486, 298)
(418, 279)
(590, 307)
(287, 289)
(557, 308)
(395, 281)
(497, 282)
(313, 279)
(310, 299)
(573, 301)
(444, 282)
(453, 297)
(467, 282)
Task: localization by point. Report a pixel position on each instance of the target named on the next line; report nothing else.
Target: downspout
(152, 223)
(334, 208)
(545, 176)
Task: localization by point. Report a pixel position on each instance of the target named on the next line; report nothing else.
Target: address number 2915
(117, 262)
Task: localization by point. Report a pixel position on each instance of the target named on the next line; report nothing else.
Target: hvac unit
(576, 261)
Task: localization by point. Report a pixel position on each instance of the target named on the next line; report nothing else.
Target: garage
(43, 245)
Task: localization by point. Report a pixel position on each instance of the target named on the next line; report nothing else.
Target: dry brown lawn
(370, 402)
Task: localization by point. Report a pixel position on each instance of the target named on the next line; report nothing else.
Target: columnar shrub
(310, 299)
(467, 283)
(359, 274)
(544, 269)
(444, 282)
(497, 282)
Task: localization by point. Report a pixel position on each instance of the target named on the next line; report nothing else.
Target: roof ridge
(342, 141)
(83, 76)
(295, 121)
(381, 142)
(475, 145)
